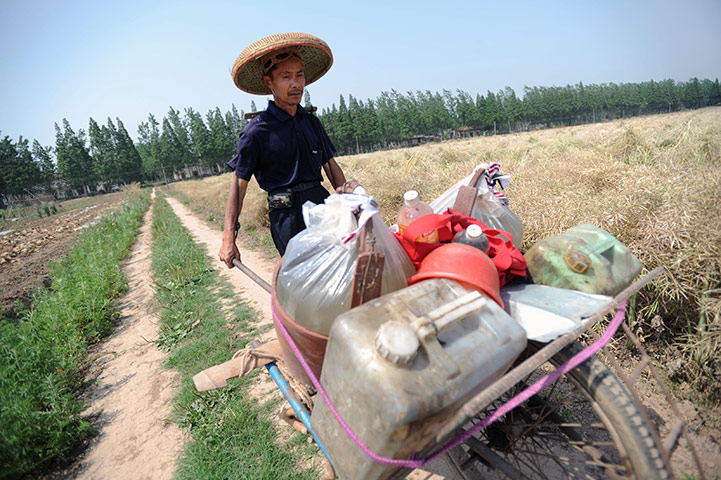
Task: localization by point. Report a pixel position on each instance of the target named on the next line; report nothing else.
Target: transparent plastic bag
(315, 279)
(487, 207)
(489, 210)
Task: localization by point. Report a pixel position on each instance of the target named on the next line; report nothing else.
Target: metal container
(397, 368)
(584, 258)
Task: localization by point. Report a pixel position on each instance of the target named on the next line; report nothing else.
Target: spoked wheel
(585, 426)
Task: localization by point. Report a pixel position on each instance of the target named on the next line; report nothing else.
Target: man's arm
(233, 206)
(334, 174)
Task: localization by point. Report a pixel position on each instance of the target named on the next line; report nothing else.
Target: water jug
(398, 367)
(413, 208)
(584, 258)
(473, 236)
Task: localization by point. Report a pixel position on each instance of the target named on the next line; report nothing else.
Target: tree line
(106, 155)
(393, 117)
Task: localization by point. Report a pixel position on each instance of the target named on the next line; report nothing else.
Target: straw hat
(314, 53)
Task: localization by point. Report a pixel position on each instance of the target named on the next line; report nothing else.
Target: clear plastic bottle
(413, 208)
(473, 236)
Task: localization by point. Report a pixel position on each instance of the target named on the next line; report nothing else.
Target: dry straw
(654, 182)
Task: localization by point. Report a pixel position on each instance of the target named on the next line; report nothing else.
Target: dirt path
(134, 393)
(209, 238)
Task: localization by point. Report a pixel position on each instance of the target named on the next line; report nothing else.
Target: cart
(559, 412)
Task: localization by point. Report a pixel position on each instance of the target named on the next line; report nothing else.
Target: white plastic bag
(487, 207)
(315, 279)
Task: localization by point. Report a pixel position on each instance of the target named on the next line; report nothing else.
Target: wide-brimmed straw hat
(314, 53)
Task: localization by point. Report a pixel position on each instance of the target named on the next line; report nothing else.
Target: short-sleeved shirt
(282, 151)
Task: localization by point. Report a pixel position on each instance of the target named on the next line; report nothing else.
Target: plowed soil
(27, 246)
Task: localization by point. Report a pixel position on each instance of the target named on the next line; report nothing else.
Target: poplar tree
(103, 152)
(200, 135)
(75, 164)
(183, 142)
(149, 148)
(130, 165)
(19, 171)
(43, 157)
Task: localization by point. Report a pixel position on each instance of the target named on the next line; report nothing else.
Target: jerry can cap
(577, 261)
(397, 342)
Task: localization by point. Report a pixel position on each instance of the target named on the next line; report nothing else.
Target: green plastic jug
(584, 258)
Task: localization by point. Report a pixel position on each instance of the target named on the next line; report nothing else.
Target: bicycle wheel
(584, 426)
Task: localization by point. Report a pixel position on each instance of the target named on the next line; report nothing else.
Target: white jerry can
(398, 367)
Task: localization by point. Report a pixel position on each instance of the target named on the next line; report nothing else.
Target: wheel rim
(562, 433)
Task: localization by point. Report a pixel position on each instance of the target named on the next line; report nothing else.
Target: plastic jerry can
(584, 258)
(398, 367)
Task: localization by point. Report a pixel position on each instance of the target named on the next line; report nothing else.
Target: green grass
(42, 355)
(231, 434)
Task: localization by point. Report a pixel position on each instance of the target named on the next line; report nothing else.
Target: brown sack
(242, 363)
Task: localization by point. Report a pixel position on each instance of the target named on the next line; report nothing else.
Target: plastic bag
(487, 208)
(315, 279)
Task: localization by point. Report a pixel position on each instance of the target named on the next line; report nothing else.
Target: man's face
(287, 82)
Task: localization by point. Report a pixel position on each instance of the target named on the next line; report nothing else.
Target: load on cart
(396, 350)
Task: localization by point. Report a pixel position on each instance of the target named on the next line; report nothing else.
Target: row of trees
(106, 154)
(394, 117)
(189, 139)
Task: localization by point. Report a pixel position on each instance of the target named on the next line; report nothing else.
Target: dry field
(654, 182)
(29, 244)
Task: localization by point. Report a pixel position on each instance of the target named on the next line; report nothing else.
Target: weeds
(41, 356)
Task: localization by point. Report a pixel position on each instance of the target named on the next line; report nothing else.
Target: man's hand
(228, 251)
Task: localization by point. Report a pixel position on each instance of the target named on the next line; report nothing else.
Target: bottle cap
(410, 197)
(397, 342)
(474, 231)
(578, 261)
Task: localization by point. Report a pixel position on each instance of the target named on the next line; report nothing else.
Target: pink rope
(542, 383)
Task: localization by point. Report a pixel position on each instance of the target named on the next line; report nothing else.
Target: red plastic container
(464, 264)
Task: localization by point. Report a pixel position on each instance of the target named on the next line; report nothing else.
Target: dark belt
(299, 187)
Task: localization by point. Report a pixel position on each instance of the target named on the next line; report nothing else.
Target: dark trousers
(285, 223)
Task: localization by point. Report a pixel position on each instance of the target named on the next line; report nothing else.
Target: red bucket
(464, 264)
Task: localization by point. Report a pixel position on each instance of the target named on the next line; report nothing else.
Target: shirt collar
(281, 114)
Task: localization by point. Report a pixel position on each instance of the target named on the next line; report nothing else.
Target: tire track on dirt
(134, 393)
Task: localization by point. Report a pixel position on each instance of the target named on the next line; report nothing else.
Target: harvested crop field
(654, 182)
(28, 245)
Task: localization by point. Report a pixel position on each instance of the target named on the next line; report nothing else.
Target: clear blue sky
(130, 58)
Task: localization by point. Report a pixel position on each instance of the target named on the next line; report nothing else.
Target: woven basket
(315, 53)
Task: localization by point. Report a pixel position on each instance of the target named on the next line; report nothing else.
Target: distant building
(194, 171)
(465, 132)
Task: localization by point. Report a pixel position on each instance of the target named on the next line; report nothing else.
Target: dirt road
(133, 395)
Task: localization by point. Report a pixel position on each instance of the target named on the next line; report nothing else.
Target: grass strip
(231, 435)
(42, 355)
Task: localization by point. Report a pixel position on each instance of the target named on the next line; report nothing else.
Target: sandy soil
(133, 397)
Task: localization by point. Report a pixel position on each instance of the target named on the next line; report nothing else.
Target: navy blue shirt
(281, 150)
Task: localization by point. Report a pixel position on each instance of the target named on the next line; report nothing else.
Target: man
(285, 147)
